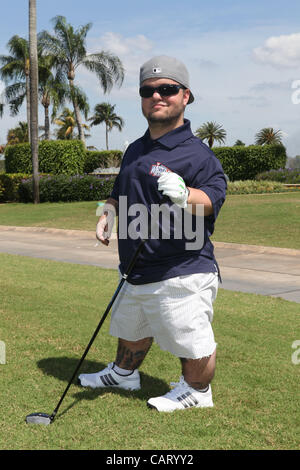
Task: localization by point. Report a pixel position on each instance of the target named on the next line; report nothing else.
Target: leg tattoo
(130, 354)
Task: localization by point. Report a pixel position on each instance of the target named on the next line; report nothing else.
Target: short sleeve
(211, 179)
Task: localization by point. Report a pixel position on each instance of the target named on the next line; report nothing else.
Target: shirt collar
(172, 138)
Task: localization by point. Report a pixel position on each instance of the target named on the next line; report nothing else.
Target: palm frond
(107, 67)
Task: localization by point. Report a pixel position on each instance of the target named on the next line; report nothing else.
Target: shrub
(55, 156)
(104, 159)
(284, 175)
(9, 184)
(244, 163)
(2, 190)
(63, 188)
(254, 187)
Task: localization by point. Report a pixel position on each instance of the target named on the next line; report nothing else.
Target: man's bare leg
(198, 373)
(130, 354)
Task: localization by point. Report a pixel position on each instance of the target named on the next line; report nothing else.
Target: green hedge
(9, 184)
(284, 175)
(255, 187)
(55, 156)
(103, 159)
(63, 188)
(244, 163)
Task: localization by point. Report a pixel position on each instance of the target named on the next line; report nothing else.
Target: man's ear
(186, 96)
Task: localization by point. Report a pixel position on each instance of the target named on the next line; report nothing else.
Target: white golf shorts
(177, 313)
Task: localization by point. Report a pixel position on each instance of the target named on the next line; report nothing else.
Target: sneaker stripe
(194, 399)
(104, 380)
(111, 380)
(182, 402)
(187, 400)
(108, 380)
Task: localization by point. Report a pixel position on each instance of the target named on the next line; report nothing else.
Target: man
(170, 293)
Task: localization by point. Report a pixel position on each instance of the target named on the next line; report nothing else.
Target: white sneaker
(109, 378)
(181, 397)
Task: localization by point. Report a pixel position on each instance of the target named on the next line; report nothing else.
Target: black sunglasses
(164, 90)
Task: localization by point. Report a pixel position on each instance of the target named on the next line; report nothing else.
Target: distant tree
(54, 90)
(68, 46)
(104, 113)
(239, 143)
(268, 136)
(18, 135)
(66, 123)
(15, 71)
(212, 132)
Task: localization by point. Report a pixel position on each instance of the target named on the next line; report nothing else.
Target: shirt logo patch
(158, 169)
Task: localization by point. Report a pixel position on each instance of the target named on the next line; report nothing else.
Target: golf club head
(39, 418)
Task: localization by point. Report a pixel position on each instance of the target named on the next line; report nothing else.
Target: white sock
(120, 371)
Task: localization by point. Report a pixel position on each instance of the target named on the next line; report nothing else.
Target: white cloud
(279, 51)
(118, 44)
(133, 51)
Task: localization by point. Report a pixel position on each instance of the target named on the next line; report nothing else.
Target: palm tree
(54, 90)
(104, 112)
(67, 124)
(15, 67)
(34, 99)
(68, 46)
(18, 135)
(268, 136)
(239, 143)
(212, 132)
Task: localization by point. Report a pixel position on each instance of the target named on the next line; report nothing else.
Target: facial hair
(172, 115)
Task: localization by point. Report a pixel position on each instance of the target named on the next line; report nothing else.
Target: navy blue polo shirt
(181, 152)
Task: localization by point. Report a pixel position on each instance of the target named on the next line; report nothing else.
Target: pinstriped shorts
(177, 313)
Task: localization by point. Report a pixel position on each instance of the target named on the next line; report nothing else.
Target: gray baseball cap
(166, 67)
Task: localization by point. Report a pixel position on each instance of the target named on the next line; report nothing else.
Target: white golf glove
(173, 186)
(105, 224)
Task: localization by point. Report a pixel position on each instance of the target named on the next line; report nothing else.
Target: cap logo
(156, 70)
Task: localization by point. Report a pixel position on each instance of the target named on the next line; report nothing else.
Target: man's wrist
(188, 195)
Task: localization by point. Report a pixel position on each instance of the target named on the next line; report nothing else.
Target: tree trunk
(27, 81)
(106, 127)
(34, 99)
(47, 123)
(77, 112)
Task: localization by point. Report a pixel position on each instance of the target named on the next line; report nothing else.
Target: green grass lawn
(264, 219)
(261, 219)
(49, 311)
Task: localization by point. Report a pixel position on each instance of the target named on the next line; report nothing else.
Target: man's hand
(173, 186)
(105, 224)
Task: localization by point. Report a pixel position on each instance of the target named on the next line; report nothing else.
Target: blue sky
(243, 57)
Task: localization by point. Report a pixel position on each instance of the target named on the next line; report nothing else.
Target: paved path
(244, 268)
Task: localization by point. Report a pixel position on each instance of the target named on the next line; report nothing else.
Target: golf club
(44, 418)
